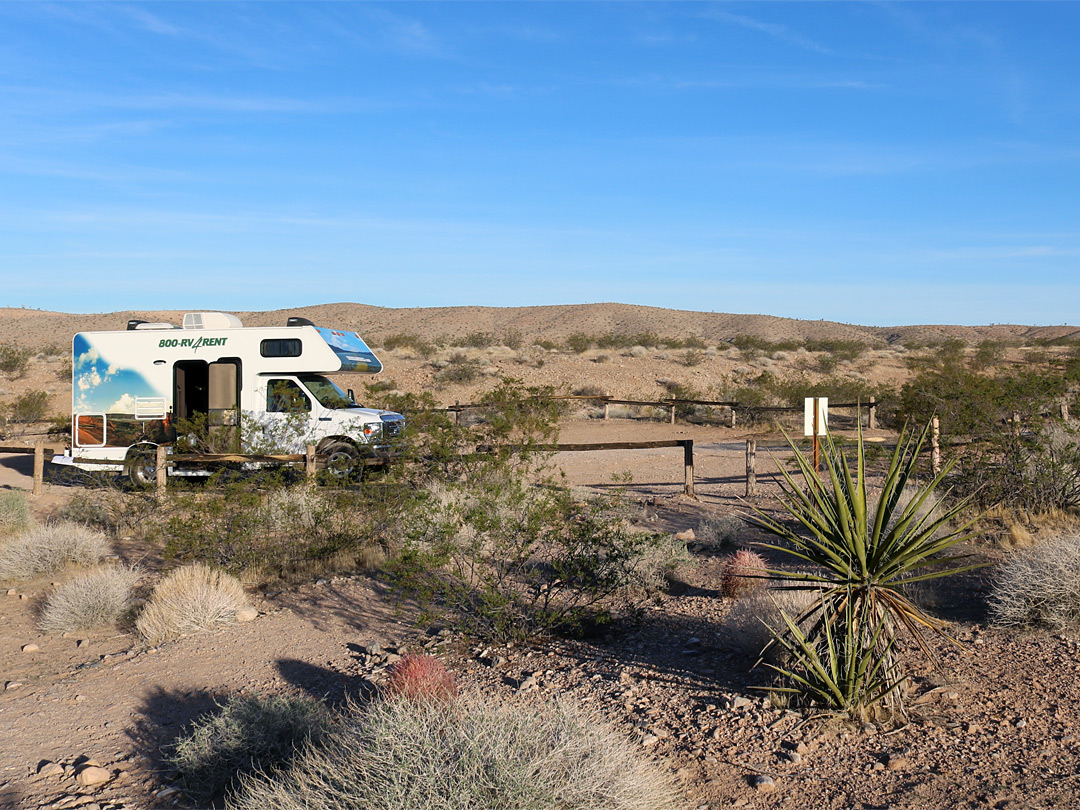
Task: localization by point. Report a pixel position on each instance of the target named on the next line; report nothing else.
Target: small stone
(897, 763)
(30, 648)
(93, 775)
(740, 703)
(23, 597)
(320, 582)
(247, 614)
(649, 740)
(527, 684)
(794, 756)
(12, 685)
(1020, 723)
(802, 748)
(12, 592)
(717, 733)
(972, 728)
(763, 783)
(374, 648)
(82, 642)
(48, 768)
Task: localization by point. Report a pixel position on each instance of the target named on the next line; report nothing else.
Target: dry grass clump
(477, 754)
(719, 531)
(96, 598)
(1039, 586)
(421, 679)
(50, 548)
(192, 599)
(741, 573)
(753, 620)
(15, 514)
(248, 735)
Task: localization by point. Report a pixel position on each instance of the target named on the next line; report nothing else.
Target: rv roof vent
(211, 320)
(134, 324)
(296, 320)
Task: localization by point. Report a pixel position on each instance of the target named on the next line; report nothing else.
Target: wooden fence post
(935, 446)
(688, 467)
(161, 470)
(39, 466)
(871, 415)
(309, 462)
(606, 406)
(732, 416)
(1064, 411)
(673, 413)
(751, 467)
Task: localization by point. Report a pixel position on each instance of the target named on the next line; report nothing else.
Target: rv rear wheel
(142, 468)
(342, 461)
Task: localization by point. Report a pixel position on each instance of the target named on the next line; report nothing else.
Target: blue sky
(874, 163)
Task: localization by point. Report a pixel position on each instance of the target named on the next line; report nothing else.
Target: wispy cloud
(774, 30)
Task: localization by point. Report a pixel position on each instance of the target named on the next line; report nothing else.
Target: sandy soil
(1000, 728)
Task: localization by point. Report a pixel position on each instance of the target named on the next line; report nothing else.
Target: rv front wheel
(142, 468)
(342, 461)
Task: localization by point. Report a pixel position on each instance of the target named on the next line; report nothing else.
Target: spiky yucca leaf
(863, 555)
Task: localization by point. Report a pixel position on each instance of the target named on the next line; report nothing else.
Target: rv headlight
(372, 429)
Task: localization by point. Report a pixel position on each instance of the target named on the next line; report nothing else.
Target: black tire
(342, 461)
(142, 468)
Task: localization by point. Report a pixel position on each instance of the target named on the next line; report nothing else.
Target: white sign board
(822, 414)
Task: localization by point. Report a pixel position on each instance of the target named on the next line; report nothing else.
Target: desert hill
(37, 329)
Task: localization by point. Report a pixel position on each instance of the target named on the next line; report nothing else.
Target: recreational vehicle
(213, 385)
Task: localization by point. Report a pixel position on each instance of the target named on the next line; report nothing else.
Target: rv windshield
(328, 394)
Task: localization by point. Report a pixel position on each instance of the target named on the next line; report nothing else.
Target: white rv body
(257, 389)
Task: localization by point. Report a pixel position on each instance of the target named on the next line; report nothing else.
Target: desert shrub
(511, 560)
(741, 573)
(475, 340)
(421, 347)
(14, 359)
(421, 679)
(480, 754)
(460, 370)
(578, 342)
(29, 407)
(719, 531)
(15, 513)
(512, 339)
(50, 548)
(109, 509)
(191, 599)
(93, 599)
(752, 622)
(245, 736)
(1039, 586)
(693, 357)
(658, 563)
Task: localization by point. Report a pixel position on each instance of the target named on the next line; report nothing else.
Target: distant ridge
(37, 329)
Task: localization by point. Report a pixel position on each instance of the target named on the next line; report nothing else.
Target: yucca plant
(862, 555)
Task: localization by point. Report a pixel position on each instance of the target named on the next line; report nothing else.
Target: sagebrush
(96, 598)
(50, 548)
(15, 515)
(1039, 586)
(246, 735)
(478, 754)
(192, 599)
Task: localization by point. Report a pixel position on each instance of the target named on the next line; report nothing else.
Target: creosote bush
(246, 735)
(1039, 586)
(477, 753)
(96, 598)
(191, 599)
(50, 548)
(421, 679)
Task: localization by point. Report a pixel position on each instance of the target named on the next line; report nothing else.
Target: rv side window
(285, 396)
(281, 347)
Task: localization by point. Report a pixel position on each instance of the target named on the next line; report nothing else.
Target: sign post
(815, 422)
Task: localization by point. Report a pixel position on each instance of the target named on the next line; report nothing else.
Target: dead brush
(50, 548)
(421, 678)
(192, 599)
(94, 599)
(741, 573)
